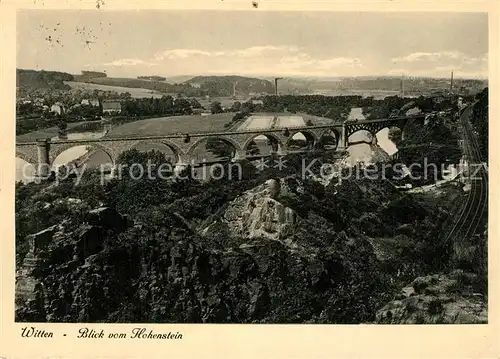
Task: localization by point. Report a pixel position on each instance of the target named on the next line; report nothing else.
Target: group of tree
(87, 76)
(316, 105)
(184, 89)
(152, 78)
(216, 86)
(222, 86)
(43, 79)
(85, 112)
(164, 106)
(26, 125)
(480, 122)
(428, 149)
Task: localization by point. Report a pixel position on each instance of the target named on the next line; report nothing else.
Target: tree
(62, 126)
(246, 108)
(236, 106)
(480, 122)
(220, 148)
(216, 107)
(194, 103)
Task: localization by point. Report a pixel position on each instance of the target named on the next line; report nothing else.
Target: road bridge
(42, 153)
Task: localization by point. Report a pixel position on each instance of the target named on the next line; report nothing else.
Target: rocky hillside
(270, 248)
(110, 270)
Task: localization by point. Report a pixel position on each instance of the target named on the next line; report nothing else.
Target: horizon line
(263, 76)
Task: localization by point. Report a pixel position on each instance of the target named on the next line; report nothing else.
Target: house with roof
(57, 108)
(111, 108)
(90, 102)
(39, 101)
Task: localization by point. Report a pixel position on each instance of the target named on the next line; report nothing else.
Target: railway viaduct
(42, 153)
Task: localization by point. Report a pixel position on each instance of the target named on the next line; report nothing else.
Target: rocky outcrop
(259, 214)
(109, 218)
(70, 242)
(437, 299)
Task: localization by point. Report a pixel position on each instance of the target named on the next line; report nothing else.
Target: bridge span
(42, 153)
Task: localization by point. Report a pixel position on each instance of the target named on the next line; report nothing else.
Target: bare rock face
(257, 214)
(437, 299)
(79, 242)
(40, 240)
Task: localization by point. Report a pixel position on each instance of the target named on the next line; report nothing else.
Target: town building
(111, 108)
(57, 108)
(90, 102)
(39, 101)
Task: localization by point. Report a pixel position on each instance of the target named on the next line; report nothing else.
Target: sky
(295, 44)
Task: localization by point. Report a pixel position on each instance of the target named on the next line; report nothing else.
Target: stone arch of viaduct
(376, 126)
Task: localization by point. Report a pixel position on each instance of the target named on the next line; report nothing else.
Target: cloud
(257, 60)
(339, 61)
(124, 62)
(428, 56)
(260, 51)
(289, 60)
(246, 52)
(440, 64)
(179, 54)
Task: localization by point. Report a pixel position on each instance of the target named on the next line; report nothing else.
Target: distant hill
(162, 87)
(224, 85)
(152, 78)
(345, 85)
(130, 82)
(33, 79)
(178, 79)
(88, 76)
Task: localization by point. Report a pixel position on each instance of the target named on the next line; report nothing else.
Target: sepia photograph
(251, 167)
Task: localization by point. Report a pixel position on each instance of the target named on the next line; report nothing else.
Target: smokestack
(276, 85)
(402, 86)
(451, 83)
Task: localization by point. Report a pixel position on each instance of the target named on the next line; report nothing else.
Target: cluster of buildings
(108, 107)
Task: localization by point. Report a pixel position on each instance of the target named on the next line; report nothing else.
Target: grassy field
(174, 124)
(190, 124)
(225, 101)
(134, 92)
